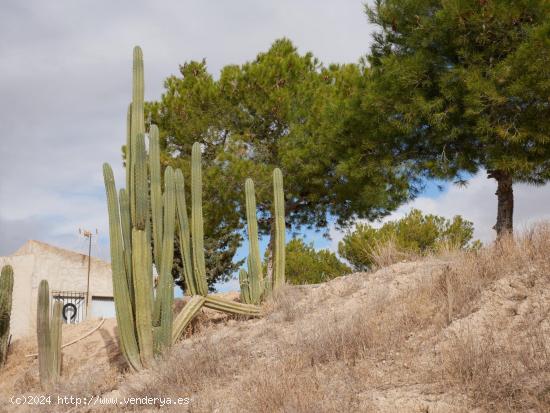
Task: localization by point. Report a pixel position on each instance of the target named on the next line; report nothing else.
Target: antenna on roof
(88, 234)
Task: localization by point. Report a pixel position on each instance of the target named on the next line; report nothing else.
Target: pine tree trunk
(505, 209)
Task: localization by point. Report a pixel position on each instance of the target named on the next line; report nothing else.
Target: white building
(67, 275)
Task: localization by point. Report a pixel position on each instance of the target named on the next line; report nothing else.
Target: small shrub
(305, 265)
(414, 234)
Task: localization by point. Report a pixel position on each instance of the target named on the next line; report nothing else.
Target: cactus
(156, 194)
(255, 276)
(144, 318)
(197, 222)
(121, 273)
(56, 336)
(231, 307)
(280, 228)
(245, 287)
(165, 294)
(186, 315)
(184, 234)
(253, 286)
(142, 215)
(48, 329)
(6, 291)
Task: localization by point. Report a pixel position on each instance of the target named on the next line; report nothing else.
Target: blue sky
(65, 70)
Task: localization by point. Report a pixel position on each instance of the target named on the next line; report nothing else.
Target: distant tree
(416, 232)
(461, 86)
(305, 265)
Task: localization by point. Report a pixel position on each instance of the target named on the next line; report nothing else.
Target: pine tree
(283, 109)
(462, 86)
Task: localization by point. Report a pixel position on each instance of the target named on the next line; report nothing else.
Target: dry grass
(471, 272)
(282, 304)
(504, 372)
(386, 253)
(314, 354)
(500, 376)
(462, 331)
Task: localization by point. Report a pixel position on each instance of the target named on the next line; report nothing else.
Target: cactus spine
(48, 329)
(6, 292)
(280, 228)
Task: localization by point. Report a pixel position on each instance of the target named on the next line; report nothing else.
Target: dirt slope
(461, 333)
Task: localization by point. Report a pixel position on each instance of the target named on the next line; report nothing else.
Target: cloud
(65, 85)
(477, 203)
(16, 232)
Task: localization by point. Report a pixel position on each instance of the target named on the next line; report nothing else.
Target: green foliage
(459, 86)
(285, 110)
(6, 292)
(192, 109)
(305, 265)
(416, 233)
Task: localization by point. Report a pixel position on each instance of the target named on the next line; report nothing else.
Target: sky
(65, 80)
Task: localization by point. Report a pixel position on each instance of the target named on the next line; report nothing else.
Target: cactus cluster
(254, 287)
(48, 331)
(6, 291)
(143, 215)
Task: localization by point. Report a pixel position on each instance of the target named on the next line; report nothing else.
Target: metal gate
(74, 305)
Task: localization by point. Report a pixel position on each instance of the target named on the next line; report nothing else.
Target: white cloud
(477, 203)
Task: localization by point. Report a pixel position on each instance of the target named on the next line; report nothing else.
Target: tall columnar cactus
(192, 237)
(144, 317)
(255, 276)
(184, 235)
(6, 292)
(197, 222)
(253, 286)
(48, 329)
(280, 228)
(143, 215)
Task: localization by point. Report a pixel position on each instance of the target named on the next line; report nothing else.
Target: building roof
(34, 247)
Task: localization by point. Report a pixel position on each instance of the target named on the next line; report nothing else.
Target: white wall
(64, 270)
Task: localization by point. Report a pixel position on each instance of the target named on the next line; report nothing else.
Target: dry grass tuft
(190, 369)
(469, 273)
(283, 387)
(282, 304)
(386, 253)
(500, 376)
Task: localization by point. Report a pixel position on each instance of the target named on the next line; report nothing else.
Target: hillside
(454, 333)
